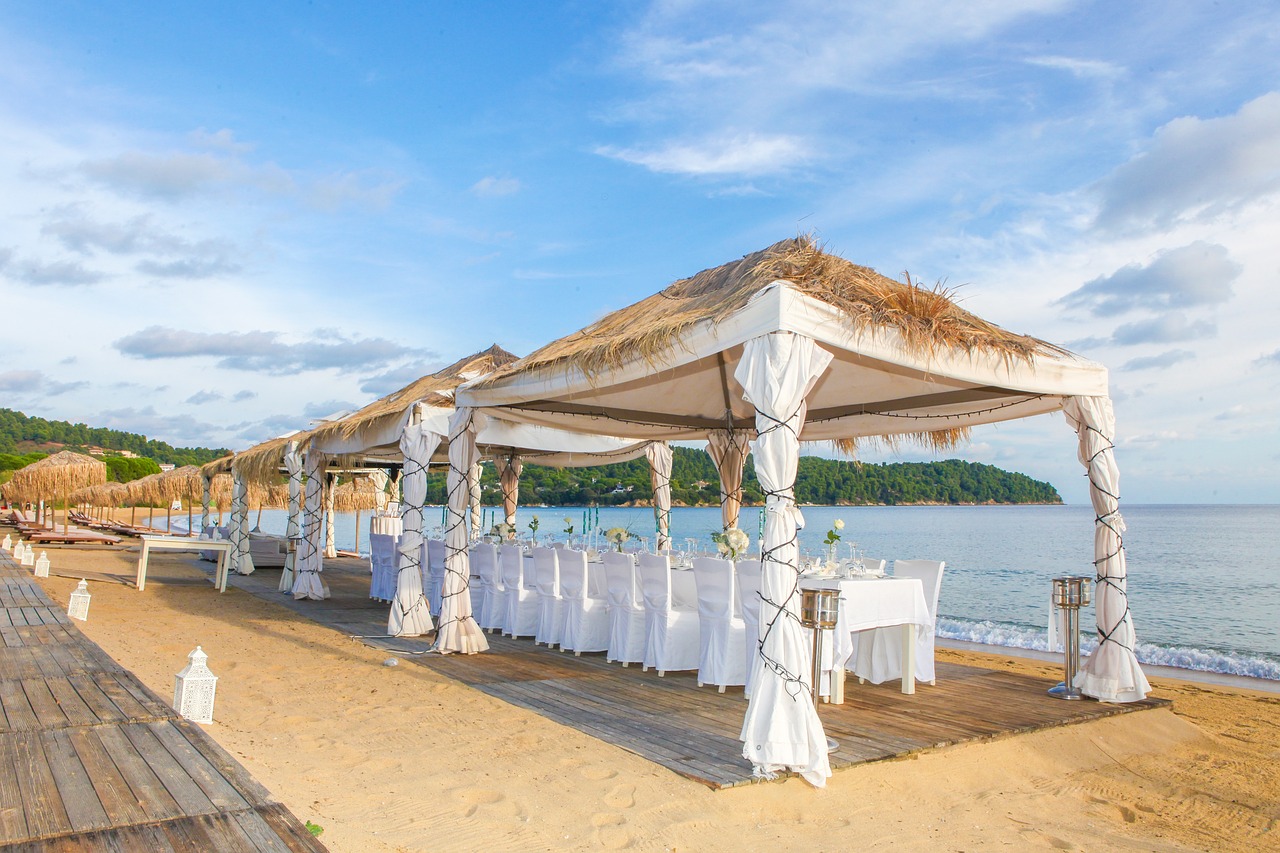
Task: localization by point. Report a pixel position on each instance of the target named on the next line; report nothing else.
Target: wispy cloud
(1194, 275)
(35, 383)
(491, 187)
(746, 154)
(1167, 328)
(201, 397)
(65, 273)
(1158, 362)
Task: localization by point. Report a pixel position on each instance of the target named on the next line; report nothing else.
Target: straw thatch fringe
(358, 494)
(927, 320)
(60, 474)
(435, 389)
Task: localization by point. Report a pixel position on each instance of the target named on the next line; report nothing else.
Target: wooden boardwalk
(693, 731)
(90, 759)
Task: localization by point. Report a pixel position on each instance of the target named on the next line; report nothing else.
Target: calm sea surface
(1204, 581)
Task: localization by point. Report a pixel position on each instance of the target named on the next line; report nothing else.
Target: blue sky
(237, 218)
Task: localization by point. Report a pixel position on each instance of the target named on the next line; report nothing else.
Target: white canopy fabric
(293, 532)
(206, 501)
(510, 467)
(782, 730)
(330, 543)
(728, 450)
(306, 581)
(241, 561)
(457, 630)
(410, 613)
(1111, 673)
(660, 459)
(473, 497)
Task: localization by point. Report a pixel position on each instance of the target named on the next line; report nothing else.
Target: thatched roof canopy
(908, 361)
(356, 494)
(261, 463)
(385, 415)
(60, 474)
(221, 465)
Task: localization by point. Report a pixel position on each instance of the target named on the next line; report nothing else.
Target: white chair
(671, 632)
(878, 653)
(748, 574)
(433, 574)
(521, 619)
(382, 562)
(626, 613)
(484, 566)
(585, 626)
(721, 630)
(492, 613)
(546, 572)
(873, 566)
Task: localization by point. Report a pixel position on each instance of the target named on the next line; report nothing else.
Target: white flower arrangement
(503, 531)
(617, 536)
(832, 536)
(568, 525)
(731, 543)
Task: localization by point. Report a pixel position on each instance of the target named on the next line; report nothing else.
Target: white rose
(839, 524)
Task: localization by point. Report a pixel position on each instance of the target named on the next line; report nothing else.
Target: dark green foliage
(694, 482)
(123, 470)
(15, 428)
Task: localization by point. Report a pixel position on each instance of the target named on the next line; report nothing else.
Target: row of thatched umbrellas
(76, 479)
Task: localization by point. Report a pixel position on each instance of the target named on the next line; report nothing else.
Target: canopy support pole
(457, 630)
(310, 563)
(728, 450)
(511, 466)
(293, 532)
(410, 613)
(660, 459)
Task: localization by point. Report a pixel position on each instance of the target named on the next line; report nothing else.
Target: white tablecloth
(388, 525)
(867, 603)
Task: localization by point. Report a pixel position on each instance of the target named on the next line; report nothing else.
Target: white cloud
(66, 273)
(1194, 275)
(1197, 168)
(491, 187)
(163, 176)
(747, 154)
(1158, 362)
(1167, 328)
(1085, 68)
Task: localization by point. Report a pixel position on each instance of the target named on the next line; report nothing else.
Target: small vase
(833, 560)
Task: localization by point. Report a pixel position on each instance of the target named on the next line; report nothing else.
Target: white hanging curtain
(457, 630)
(728, 450)
(1111, 673)
(509, 470)
(293, 467)
(473, 498)
(660, 457)
(330, 546)
(306, 581)
(206, 501)
(781, 731)
(241, 562)
(380, 481)
(410, 614)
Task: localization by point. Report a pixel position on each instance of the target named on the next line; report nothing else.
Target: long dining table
(874, 602)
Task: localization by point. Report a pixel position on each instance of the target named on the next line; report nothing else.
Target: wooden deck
(90, 759)
(693, 731)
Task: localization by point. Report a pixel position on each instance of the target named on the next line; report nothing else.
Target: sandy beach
(402, 758)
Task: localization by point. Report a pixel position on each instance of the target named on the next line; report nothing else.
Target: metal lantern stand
(818, 611)
(1069, 595)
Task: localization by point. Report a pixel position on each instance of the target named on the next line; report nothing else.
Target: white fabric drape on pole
(293, 532)
(330, 546)
(473, 497)
(306, 581)
(380, 480)
(660, 458)
(410, 613)
(728, 450)
(457, 630)
(509, 470)
(1111, 673)
(781, 730)
(206, 501)
(241, 562)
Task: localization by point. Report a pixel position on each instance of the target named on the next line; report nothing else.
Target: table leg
(908, 658)
(837, 685)
(141, 581)
(220, 576)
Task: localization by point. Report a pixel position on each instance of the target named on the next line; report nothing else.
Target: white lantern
(42, 566)
(8, 542)
(193, 689)
(17, 551)
(28, 556)
(78, 606)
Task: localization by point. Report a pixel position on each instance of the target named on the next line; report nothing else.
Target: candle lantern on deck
(1069, 595)
(8, 542)
(42, 566)
(17, 551)
(194, 687)
(28, 556)
(78, 605)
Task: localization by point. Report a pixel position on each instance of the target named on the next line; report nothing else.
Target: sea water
(1204, 581)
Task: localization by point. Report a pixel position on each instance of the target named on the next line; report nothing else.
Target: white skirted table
(184, 543)
(867, 603)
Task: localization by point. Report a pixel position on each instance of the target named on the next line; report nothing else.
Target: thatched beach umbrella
(58, 475)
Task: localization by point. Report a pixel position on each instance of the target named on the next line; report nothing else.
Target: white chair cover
(521, 617)
(586, 618)
(382, 561)
(626, 613)
(546, 568)
(878, 653)
(493, 603)
(484, 565)
(721, 630)
(747, 587)
(671, 633)
(433, 576)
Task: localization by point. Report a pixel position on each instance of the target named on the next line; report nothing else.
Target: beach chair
(671, 631)
(721, 631)
(878, 656)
